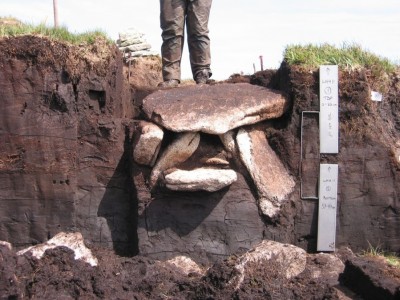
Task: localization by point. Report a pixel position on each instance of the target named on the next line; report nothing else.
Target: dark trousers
(175, 14)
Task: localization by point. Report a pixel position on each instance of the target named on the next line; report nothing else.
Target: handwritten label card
(328, 184)
(329, 109)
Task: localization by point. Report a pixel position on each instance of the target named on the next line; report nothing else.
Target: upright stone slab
(147, 143)
(213, 109)
(270, 177)
(179, 151)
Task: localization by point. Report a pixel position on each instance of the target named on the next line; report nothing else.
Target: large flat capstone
(213, 109)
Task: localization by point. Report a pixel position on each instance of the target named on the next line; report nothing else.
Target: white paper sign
(329, 109)
(375, 96)
(328, 184)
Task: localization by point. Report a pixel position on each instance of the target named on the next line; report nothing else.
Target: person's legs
(172, 20)
(199, 43)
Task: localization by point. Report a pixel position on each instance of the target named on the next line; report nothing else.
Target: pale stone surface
(228, 140)
(202, 179)
(130, 33)
(6, 244)
(185, 265)
(136, 47)
(336, 266)
(213, 109)
(289, 259)
(396, 151)
(141, 53)
(133, 44)
(132, 41)
(147, 144)
(179, 151)
(73, 241)
(215, 161)
(267, 171)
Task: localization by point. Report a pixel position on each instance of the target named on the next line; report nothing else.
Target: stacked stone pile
(133, 44)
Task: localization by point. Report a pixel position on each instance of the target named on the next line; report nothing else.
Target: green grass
(391, 259)
(59, 33)
(346, 56)
(373, 251)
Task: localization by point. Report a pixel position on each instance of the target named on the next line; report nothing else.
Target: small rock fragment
(73, 241)
(288, 259)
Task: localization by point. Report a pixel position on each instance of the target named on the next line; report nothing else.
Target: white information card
(328, 186)
(329, 109)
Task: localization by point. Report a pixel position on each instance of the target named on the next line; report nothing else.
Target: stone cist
(174, 15)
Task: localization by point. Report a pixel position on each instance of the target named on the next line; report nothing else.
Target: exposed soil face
(372, 278)
(368, 157)
(49, 54)
(68, 114)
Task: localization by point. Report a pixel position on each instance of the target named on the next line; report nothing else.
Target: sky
(240, 30)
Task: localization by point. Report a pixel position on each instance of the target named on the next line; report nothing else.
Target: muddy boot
(202, 77)
(172, 83)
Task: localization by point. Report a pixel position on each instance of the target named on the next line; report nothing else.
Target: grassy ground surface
(391, 258)
(11, 27)
(347, 56)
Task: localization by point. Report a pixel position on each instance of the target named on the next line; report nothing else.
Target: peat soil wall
(64, 130)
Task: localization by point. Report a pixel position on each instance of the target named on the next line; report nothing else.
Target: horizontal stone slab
(202, 179)
(213, 109)
(136, 47)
